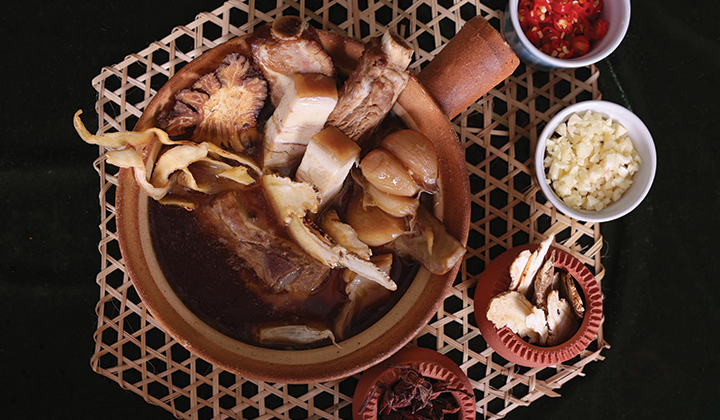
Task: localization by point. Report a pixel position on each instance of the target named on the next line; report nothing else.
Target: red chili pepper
(589, 11)
(562, 6)
(599, 29)
(561, 49)
(580, 5)
(535, 35)
(580, 45)
(527, 18)
(562, 28)
(563, 23)
(550, 34)
(593, 10)
(542, 13)
(581, 26)
(546, 48)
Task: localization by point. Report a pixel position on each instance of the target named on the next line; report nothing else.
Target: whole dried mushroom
(221, 107)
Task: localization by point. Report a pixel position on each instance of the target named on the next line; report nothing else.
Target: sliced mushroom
(571, 293)
(511, 309)
(211, 176)
(537, 321)
(344, 234)
(159, 172)
(292, 207)
(314, 242)
(561, 319)
(362, 292)
(533, 265)
(300, 115)
(430, 244)
(291, 335)
(290, 197)
(544, 282)
(222, 107)
(517, 267)
(357, 284)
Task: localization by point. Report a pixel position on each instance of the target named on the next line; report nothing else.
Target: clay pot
(496, 279)
(419, 110)
(429, 363)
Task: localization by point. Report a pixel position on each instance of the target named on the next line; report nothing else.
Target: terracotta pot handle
(475, 60)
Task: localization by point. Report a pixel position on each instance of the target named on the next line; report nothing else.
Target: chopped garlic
(591, 161)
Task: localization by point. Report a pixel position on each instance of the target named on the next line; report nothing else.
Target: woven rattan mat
(498, 134)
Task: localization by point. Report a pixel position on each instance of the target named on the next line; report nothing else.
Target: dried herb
(414, 397)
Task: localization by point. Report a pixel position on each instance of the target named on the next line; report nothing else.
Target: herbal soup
(291, 208)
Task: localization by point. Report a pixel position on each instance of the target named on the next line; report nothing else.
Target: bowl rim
(618, 113)
(570, 63)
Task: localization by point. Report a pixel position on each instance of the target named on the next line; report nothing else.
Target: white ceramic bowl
(617, 12)
(642, 179)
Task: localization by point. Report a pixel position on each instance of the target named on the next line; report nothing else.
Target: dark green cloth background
(662, 300)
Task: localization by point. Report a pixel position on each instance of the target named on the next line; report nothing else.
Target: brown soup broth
(217, 285)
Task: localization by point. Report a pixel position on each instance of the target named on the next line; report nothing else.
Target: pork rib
(373, 87)
(279, 263)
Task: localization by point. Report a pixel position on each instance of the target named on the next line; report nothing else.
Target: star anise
(414, 397)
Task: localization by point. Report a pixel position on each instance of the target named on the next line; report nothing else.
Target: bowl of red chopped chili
(558, 34)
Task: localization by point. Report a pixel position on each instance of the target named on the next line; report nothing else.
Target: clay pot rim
(508, 344)
(418, 357)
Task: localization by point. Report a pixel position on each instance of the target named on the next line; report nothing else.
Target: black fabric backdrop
(661, 287)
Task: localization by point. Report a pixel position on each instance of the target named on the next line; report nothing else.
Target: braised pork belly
(300, 114)
(288, 47)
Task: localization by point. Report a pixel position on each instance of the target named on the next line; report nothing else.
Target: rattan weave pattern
(498, 134)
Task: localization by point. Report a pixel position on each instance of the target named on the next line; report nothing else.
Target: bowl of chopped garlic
(595, 161)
